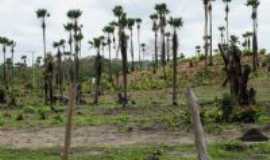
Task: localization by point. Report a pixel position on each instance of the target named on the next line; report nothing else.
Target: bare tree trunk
(156, 53)
(124, 65)
(211, 36)
(71, 106)
(206, 35)
(200, 139)
(175, 48)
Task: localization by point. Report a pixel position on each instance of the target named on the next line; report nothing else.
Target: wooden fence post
(70, 110)
(200, 140)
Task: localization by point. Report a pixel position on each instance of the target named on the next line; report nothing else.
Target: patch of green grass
(218, 151)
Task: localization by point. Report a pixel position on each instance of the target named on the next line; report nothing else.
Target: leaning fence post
(200, 139)
(70, 110)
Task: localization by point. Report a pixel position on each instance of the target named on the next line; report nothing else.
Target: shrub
(29, 109)
(227, 104)
(43, 113)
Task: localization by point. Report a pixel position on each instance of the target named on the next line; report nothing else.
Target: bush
(43, 113)
(29, 109)
(2, 121)
(227, 104)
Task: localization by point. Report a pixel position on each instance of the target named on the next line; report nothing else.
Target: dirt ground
(97, 136)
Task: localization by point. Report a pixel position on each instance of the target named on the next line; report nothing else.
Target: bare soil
(97, 137)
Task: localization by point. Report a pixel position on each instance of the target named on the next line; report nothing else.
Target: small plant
(227, 104)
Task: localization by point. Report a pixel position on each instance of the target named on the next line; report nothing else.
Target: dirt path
(94, 136)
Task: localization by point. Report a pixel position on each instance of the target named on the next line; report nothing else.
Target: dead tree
(71, 106)
(237, 73)
(200, 139)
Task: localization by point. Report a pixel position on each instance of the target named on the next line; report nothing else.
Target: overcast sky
(19, 21)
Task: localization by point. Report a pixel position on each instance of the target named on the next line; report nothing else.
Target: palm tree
(168, 36)
(254, 4)
(123, 46)
(221, 29)
(205, 37)
(143, 48)
(13, 45)
(4, 41)
(122, 23)
(138, 23)
(109, 30)
(69, 27)
(245, 43)
(59, 77)
(175, 23)
(24, 59)
(131, 23)
(162, 12)
(227, 10)
(96, 43)
(43, 15)
(74, 15)
(154, 18)
(198, 50)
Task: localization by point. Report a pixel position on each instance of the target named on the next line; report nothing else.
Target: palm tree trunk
(168, 49)
(227, 22)
(255, 44)
(163, 52)
(211, 37)
(45, 61)
(139, 47)
(110, 59)
(156, 52)
(4, 66)
(132, 50)
(206, 35)
(98, 66)
(175, 48)
(124, 65)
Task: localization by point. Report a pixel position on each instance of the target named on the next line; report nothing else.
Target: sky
(19, 21)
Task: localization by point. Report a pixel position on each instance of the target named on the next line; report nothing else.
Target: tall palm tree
(123, 46)
(24, 59)
(227, 11)
(122, 24)
(69, 28)
(198, 50)
(131, 23)
(118, 12)
(138, 23)
(96, 43)
(168, 37)
(4, 42)
(143, 48)
(109, 30)
(162, 12)
(154, 18)
(59, 77)
(221, 29)
(205, 37)
(254, 4)
(43, 14)
(74, 15)
(12, 50)
(175, 23)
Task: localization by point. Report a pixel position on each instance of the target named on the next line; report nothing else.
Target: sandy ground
(97, 136)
